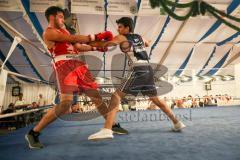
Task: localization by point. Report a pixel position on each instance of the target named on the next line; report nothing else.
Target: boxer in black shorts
(139, 80)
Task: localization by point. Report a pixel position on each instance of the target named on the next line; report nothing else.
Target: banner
(9, 5)
(145, 9)
(42, 5)
(114, 7)
(87, 6)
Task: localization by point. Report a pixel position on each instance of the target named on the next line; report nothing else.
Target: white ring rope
(13, 46)
(23, 76)
(18, 39)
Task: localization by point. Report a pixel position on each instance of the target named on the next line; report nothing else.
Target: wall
(218, 87)
(30, 93)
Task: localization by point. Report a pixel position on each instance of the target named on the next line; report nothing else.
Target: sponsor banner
(10, 5)
(42, 5)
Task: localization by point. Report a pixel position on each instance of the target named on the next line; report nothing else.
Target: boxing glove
(103, 36)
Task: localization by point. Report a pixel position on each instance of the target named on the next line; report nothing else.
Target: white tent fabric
(147, 25)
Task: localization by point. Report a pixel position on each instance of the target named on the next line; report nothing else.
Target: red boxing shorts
(73, 76)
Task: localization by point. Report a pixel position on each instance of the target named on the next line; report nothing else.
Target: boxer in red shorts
(72, 75)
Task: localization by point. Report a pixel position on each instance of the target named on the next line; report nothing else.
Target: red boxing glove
(106, 36)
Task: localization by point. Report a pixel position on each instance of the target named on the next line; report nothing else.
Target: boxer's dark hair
(127, 22)
(53, 10)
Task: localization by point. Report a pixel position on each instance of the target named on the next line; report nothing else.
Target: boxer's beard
(56, 24)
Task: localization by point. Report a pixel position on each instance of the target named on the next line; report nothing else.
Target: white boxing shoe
(104, 133)
(178, 126)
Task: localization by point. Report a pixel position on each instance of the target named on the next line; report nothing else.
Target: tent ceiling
(148, 26)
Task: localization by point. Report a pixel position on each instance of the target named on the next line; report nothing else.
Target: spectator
(34, 105)
(189, 102)
(168, 102)
(132, 104)
(9, 122)
(195, 102)
(152, 106)
(1, 109)
(10, 109)
(20, 100)
(75, 108)
(41, 101)
(179, 103)
(125, 104)
(173, 103)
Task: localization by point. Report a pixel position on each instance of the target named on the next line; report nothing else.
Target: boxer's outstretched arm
(83, 47)
(54, 35)
(115, 41)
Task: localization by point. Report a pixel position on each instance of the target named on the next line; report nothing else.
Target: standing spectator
(20, 100)
(41, 100)
(21, 103)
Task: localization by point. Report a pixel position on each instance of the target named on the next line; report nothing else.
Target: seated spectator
(173, 103)
(34, 105)
(132, 105)
(179, 103)
(229, 98)
(211, 101)
(205, 100)
(168, 102)
(195, 102)
(152, 106)
(76, 108)
(201, 102)
(188, 102)
(8, 122)
(10, 109)
(125, 105)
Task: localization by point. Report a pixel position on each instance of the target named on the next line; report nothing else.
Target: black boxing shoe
(33, 140)
(117, 129)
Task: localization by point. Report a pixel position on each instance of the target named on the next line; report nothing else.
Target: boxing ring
(211, 133)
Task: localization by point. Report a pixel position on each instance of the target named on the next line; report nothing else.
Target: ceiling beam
(171, 44)
(232, 59)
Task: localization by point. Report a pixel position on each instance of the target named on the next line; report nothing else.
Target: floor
(211, 133)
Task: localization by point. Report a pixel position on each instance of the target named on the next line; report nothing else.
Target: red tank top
(61, 48)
